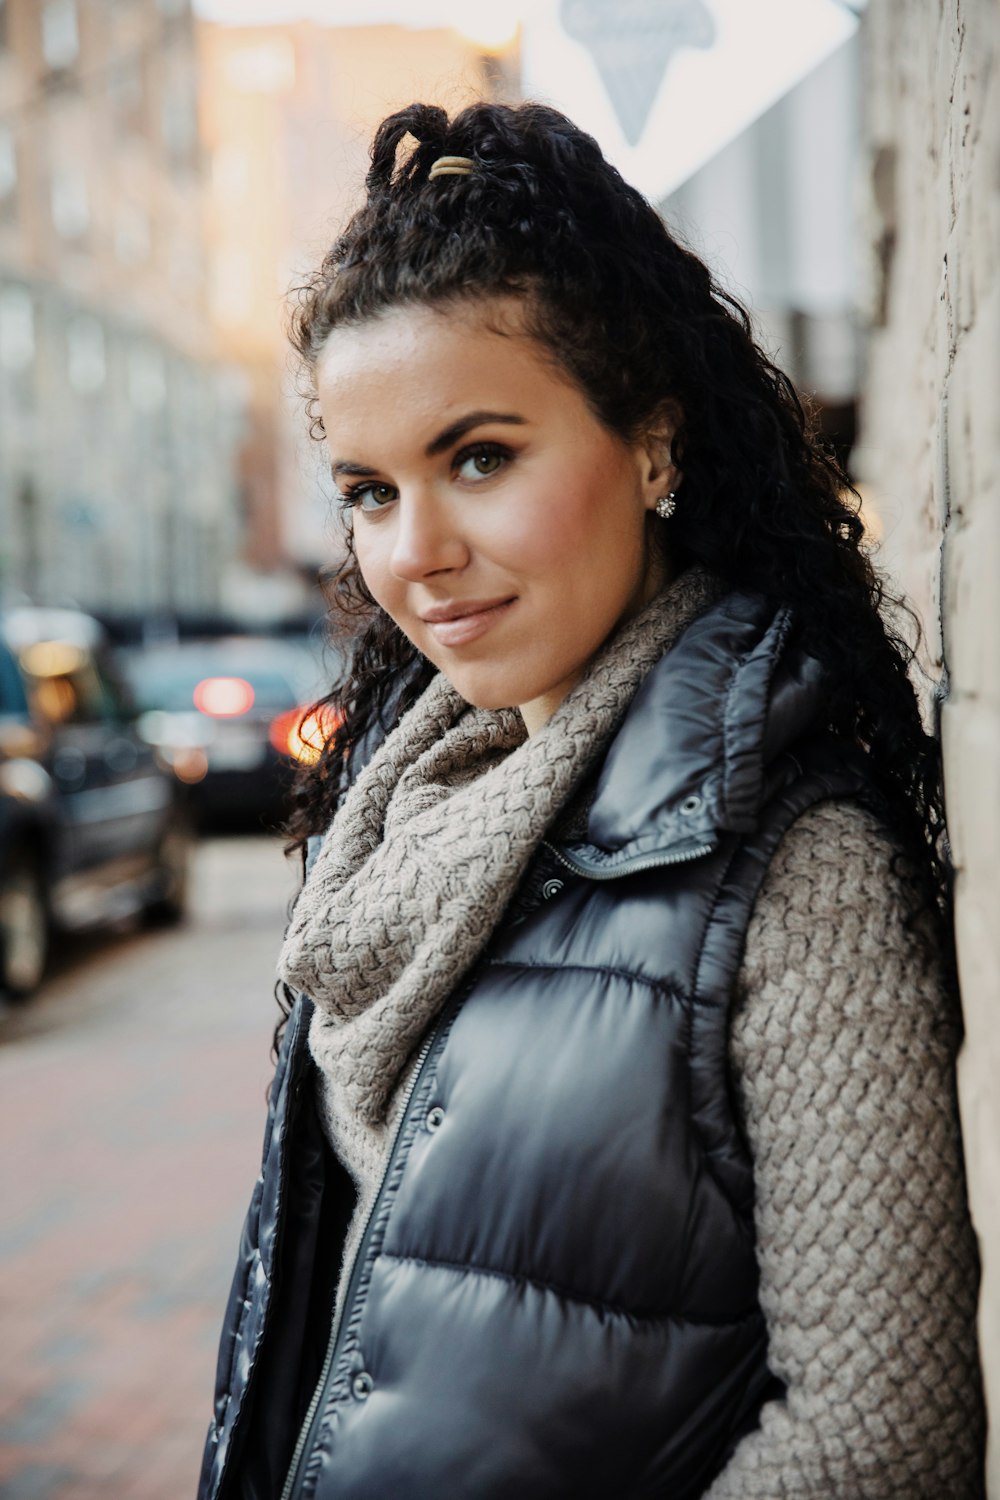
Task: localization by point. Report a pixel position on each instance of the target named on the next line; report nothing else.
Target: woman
(612, 1149)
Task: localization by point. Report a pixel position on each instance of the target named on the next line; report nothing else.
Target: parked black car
(93, 826)
(227, 712)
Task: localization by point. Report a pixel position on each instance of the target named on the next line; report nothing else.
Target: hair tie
(451, 166)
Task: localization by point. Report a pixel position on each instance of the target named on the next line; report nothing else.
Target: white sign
(665, 84)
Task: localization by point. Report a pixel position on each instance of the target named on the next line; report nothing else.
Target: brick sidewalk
(133, 1131)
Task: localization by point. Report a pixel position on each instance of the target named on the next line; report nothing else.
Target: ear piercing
(666, 505)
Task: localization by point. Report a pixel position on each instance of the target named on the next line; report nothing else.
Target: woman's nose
(426, 540)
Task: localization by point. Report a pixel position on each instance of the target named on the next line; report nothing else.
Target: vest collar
(690, 761)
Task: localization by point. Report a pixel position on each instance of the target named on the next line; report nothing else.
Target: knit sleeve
(842, 1046)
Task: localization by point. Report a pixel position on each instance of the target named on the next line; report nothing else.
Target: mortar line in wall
(942, 691)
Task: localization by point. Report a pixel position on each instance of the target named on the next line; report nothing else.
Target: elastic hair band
(451, 166)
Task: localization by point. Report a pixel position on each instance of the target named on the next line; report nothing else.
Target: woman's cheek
(528, 538)
(372, 559)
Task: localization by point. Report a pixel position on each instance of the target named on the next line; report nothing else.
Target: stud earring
(666, 505)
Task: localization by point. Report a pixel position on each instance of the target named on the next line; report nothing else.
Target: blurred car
(230, 715)
(93, 827)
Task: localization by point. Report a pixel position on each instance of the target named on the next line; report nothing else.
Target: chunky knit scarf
(428, 848)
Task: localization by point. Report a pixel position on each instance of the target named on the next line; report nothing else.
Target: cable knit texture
(842, 1050)
(842, 1045)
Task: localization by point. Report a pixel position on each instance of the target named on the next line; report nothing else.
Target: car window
(12, 695)
(117, 695)
(169, 681)
(74, 696)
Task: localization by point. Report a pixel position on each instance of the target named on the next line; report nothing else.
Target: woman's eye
(371, 496)
(480, 463)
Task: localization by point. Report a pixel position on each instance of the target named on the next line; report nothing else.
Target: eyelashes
(355, 496)
(493, 454)
(484, 459)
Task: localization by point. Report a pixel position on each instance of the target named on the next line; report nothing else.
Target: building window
(128, 101)
(231, 285)
(147, 379)
(86, 362)
(231, 172)
(60, 34)
(266, 67)
(17, 328)
(8, 170)
(184, 264)
(70, 203)
(29, 522)
(179, 118)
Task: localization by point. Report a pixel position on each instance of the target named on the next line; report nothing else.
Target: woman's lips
(461, 629)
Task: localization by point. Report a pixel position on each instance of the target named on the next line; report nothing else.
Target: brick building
(931, 450)
(117, 423)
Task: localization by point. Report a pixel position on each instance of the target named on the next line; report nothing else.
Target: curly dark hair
(638, 322)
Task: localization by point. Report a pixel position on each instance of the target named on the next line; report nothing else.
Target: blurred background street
(132, 1105)
(170, 170)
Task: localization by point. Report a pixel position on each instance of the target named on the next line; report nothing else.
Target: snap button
(691, 804)
(435, 1118)
(551, 888)
(362, 1385)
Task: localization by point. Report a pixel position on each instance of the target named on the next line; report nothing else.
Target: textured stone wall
(930, 453)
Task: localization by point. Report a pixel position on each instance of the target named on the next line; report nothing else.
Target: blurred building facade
(930, 449)
(288, 112)
(117, 422)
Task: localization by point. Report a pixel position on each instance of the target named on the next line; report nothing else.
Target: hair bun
(427, 124)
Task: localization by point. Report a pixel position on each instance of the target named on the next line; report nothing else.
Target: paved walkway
(131, 1110)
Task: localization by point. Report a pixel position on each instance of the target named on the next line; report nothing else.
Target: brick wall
(930, 452)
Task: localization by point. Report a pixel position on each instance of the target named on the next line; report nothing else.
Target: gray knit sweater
(843, 1056)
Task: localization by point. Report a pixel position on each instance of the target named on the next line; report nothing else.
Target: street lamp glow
(490, 27)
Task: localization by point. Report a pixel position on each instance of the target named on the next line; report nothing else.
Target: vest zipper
(314, 1412)
(632, 866)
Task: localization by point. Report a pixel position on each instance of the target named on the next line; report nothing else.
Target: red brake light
(223, 697)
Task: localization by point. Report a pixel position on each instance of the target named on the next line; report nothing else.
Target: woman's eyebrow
(465, 424)
(444, 440)
(355, 471)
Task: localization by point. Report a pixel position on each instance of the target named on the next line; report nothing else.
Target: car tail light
(301, 733)
(223, 697)
(53, 658)
(189, 763)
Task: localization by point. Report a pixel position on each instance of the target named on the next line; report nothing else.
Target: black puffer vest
(555, 1296)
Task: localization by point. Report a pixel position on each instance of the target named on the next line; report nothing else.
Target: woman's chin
(480, 695)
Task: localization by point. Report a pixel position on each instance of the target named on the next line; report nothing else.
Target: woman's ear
(660, 474)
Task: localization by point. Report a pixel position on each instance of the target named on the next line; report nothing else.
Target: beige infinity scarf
(428, 848)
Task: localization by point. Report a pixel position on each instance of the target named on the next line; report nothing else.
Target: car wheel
(174, 870)
(24, 926)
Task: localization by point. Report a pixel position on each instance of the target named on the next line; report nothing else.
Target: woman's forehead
(414, 368)
(404, 332)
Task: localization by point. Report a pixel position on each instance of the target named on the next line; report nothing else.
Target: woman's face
(498, 522)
